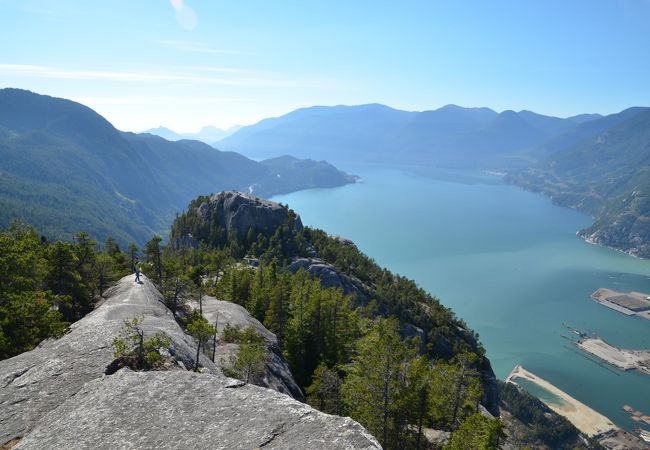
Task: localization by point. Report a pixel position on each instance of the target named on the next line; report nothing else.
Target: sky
(185, 64)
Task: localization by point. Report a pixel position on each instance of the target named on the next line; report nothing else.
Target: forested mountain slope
(360, 340)
(63, 168)
(606, 174)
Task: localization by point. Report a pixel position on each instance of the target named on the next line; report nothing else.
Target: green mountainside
(606, 174)
(360, 340)
(389, 355)
(63, 168)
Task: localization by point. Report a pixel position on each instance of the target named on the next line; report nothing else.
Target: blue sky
(189, 63)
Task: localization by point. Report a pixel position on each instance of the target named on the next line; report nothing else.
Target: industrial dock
(630, 303)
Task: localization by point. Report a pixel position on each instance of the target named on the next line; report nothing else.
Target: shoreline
(591, 241)
(580, 233)
(584, 418)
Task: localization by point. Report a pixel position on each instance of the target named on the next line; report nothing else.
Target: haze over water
(506, 261)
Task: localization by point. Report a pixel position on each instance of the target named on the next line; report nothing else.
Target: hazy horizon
(183, 64)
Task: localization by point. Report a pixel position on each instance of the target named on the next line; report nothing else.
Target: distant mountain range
(64, 168)
(209, 134)
(603, 168)
(451, 136)
(597, 164)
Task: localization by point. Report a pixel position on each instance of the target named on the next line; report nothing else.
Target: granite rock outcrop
(236, 213)
(60, 395)
(277, 375)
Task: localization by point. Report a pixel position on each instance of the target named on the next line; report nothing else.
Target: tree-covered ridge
(337, 344)
(350, 357)
(386, 294)
(395, 295)
(335, 348)
(63, 167)
(203, 223)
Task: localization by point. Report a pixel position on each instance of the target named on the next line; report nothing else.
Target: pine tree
(456, 391)
(250, 361)
(477, 432)
(325, 391)
(153, 254)
(373, 385)
(133, 253)
(199, 327)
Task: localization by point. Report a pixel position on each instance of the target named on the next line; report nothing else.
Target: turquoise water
(506, 261)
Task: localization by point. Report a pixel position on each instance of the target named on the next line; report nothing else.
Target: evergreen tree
(250, 361)
(410, 409)
(133, 253)
(63, 279)
(455, 391)
(104, 272)
(84, 250)
(26, 318)
(324, 393)
(199, 327)
(298, 349)
(20, 260)
(275, 318)
(477, 432)
(137, 352)
(153, 253)
(373, 385)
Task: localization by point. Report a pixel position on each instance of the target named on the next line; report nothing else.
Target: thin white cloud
(36, 71)
(188, 76)
(196, 47)
(232, 70)
(157, 100)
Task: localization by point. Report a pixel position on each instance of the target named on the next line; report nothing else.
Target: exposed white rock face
(180, 409)
(330, 277)
(36, 382)
(276, 374)
(58, 395)
(237, 212)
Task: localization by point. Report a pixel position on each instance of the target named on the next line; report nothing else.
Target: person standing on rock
(137, 271)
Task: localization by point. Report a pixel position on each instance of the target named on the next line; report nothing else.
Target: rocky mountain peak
(237, 212)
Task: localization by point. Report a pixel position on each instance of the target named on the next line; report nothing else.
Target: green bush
(131, 349)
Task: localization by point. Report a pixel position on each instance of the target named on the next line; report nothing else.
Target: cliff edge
(59, 395)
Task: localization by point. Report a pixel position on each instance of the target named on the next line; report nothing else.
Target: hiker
(137, 271)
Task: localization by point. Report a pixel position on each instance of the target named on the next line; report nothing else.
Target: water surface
(505, 260)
